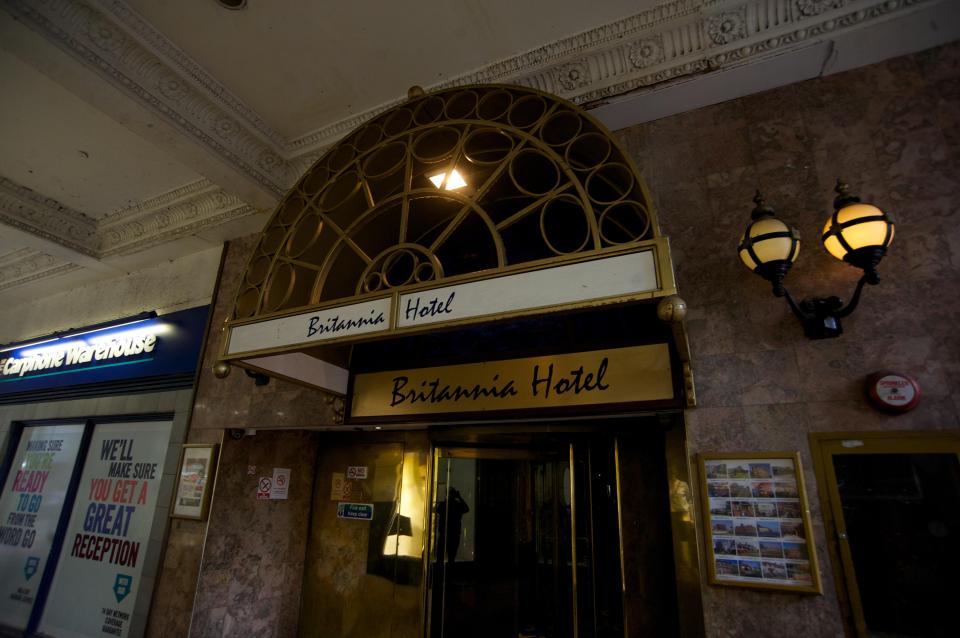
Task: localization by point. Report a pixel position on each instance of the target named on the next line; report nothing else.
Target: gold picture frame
(195, 478)
(757, 521)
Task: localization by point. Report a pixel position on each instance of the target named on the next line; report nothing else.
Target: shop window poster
(757, 527)
(30, 509)
(100, 574)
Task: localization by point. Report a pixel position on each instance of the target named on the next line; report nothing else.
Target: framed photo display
(195, 481)
(757, 521)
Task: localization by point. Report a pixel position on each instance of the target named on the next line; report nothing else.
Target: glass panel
(902, 517)
(501, 561)
(600, 494)
(650, 600)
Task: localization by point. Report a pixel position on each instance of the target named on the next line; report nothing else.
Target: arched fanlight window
(460, 181)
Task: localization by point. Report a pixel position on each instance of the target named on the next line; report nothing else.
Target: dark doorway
(896, 506)
(526, 540)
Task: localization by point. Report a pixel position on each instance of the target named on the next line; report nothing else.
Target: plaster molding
(45, 217)
(26, 265)
(178, 213)
(147, 35)
(181, 212)
(125, 50)
(676, 39)
(16, 256)
(721, 34)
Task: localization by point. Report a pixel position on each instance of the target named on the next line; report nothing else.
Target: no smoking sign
(275, 488)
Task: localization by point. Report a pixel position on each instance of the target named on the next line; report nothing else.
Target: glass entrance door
(515, 538)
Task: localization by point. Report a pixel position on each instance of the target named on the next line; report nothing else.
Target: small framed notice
(757, 522)
(195, 481)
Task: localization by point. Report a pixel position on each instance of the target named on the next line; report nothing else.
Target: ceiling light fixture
(450, 183)
(856, 233)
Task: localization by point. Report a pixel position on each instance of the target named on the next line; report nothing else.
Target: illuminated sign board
(614, 376)
(167, 345)
(77, 352)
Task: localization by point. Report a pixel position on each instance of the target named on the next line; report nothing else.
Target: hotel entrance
(526, 541)
(479, 275)
(544, 530)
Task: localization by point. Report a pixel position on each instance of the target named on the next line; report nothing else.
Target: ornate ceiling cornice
(30, 211)
(673, 40)
(26, 265)
(121, 47)
(178, 213)
(175, 214)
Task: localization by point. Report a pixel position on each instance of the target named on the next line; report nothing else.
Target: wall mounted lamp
(856, 233)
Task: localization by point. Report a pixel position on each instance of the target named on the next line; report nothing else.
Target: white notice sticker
(281, 483)
(355, 472)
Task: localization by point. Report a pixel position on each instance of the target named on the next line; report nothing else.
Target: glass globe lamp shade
(856, 228)
(768, 240)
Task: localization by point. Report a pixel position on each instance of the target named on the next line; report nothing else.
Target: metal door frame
(824, 445)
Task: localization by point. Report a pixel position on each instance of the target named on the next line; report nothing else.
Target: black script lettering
(575, 381)
(334, 324)
(311, 329)
(433, 392)
(398, 397)
(434, 307)
(545, 382)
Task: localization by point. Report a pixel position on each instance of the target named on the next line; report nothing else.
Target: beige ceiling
(134, 132)
(302, 64)
(57, 144)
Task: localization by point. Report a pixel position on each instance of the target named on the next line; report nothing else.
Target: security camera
(236, 433)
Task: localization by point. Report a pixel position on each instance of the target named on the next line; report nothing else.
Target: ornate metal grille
(460, 181)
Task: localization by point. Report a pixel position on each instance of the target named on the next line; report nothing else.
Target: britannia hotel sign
(283, 344)
(627, 276)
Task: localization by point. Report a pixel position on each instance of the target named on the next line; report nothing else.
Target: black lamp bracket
(821, 316)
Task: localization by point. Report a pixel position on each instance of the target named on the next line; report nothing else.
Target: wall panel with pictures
(757, 521)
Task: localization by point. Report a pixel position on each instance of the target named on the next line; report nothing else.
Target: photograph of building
(396, 320)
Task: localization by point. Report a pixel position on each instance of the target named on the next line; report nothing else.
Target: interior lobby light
(451, 183)
(856, 233)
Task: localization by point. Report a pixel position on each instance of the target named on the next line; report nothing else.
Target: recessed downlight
(232, 4)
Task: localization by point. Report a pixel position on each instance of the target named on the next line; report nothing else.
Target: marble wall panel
(891, 130)
(252, 567)
(173, 596)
